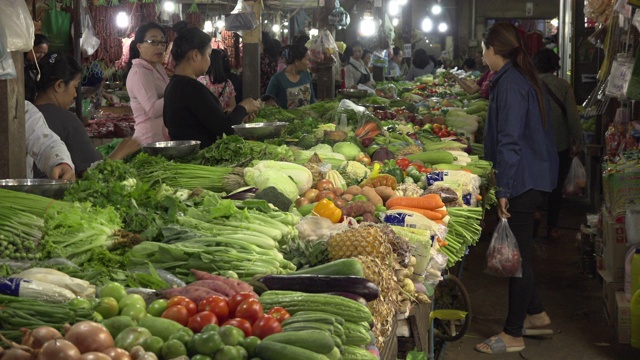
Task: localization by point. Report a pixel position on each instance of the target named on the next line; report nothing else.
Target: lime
(153, 344)
(134, 311)
(180, 336)
(228, 353)
(132, 299)
(157, 307)
(114, 290)
(173, 349)
(208, 343)
(80, 303)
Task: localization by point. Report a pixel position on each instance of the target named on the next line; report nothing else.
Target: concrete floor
(572, 299)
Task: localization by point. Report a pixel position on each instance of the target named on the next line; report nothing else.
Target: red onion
(58, 349)
(39, 336)
(93, 355)
(117, 354)
(89, 336)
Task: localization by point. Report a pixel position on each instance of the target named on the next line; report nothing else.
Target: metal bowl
(172, 149)
(259, 131)
(354, 93)
(113, 85)
(50, 188)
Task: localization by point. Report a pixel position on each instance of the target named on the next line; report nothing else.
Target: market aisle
(573, 300)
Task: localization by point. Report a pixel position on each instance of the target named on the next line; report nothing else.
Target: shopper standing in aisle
(519, 141)
(421, 65)
(191, 111)
(292, 87)
(357, 72)
(566, 127)
(217, 82)
(146, 82)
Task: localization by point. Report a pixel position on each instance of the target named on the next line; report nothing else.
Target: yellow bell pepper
(327, 209)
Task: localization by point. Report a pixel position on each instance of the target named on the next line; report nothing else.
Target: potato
(354, 190)
(372, 196)
(385, 192)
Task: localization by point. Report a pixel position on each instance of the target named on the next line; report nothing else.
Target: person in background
(191, 111)
(469, 66)
(518, 139)
(396, 66)
(292, 87)
(566, 126)
(356, 70)
(31, 71)
(146, 82)
(268, 61)
(44, 148)
(217, 82)
(366, 58)
(420, 65)
(482, 84)
(60, 78)
(480, 64)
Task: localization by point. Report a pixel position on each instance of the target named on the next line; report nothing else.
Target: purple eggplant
(323, 284)
(242, 193)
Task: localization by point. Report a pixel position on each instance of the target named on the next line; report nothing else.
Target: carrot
(429, 214)
(427, 202)
(366, 128)
(440, 222)
(370, 134)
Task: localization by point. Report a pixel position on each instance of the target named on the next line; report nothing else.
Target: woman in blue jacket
(519, 141)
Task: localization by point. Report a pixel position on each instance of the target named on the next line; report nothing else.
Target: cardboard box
(623, 318)
(614, 248)
(620, 190)
(609, 289)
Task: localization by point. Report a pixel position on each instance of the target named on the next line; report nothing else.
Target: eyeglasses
(155, 43)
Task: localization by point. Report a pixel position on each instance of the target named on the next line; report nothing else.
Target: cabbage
(321, 148)
(348, 149)
(300, 175)
(276, 178)
(303, 156)
(460, 120)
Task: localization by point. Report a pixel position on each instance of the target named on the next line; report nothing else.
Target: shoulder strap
(555, 98)
(358, 70)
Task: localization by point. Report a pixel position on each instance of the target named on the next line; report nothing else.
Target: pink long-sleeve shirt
(146, 84)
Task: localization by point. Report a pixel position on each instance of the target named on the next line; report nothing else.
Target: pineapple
(306, 252)
(366, 240)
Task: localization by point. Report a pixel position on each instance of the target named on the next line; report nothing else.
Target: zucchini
(322, 284)
(269, 350)
(337, 318)
(433, 157)
(351, 352)
(295, 302)
(329, 329)
(309, 318)
(472, 169)
(345, 267)
(355, 335)
(317, 341)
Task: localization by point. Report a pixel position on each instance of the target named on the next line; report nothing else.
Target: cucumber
(296, 302)
(338, 342)
(269, 350)
(344, 267)
(334, 354)
(317, 341)
(337, 318)
(160, 327)
(472, 169)
(355, 335)
(309, 318)
(433, 157)
(351, 352)
(309, 326)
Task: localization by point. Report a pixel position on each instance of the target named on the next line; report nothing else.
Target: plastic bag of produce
(503, 255)
(576, 179)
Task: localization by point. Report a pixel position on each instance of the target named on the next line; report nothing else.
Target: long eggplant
(323, 284)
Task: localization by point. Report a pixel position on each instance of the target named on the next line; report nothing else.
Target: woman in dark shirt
(191, 111)
(269, 51)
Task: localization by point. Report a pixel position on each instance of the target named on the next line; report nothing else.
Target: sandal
(497, 346)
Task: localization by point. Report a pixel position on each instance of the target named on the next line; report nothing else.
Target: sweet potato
(214, 285)
(235, 284)
(194, 293)
(358, 208)
(354, 190)
(347, 197)
(385, 192)
(372, 196)
(368, 217)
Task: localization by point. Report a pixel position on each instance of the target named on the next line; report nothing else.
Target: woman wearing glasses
(146, 82)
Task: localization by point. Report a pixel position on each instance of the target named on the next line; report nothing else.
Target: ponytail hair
(141, 32)
(505, 40)
(189, 38)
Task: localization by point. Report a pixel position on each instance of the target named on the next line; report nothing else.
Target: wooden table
(416, 325)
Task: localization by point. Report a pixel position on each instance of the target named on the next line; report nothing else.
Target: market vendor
(357, 71)
(292, 87)
(421, 65)
(44, 147)
(31, 58)
(61, 75)
(191, 111)
(146, 82)
(217, 82)
(396, 66)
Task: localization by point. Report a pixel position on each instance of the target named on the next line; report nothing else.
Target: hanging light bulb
(122, 20)
(367, 27)
(394, 8)
(313, 32)
(220, 23)
(442, 27)
(285, 23)
(426, 25)
(275, 28)
(395, 21)
(208, 26)
(169, 6)
(436, 9)
(402, 2)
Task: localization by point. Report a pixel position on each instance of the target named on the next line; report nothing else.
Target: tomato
(425, 170)
(403, 163)
(216, 305)
(236, 299)
(198, 321)
(177, 313)
(280, 313)
(188, 304)
(250, 310)
(418, 167)
(241, 324)
(266, 326)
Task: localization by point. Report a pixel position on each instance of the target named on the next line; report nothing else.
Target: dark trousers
(554, 204)
(523, 295)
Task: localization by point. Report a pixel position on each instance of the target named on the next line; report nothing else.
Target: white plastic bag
(576, 179)
(621, 70)
(17, 22)
(323, 50)
(88, 42)
(7, 67)
(503, 255)
(241, 18)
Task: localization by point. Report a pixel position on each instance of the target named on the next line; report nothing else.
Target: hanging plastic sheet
(17, 24)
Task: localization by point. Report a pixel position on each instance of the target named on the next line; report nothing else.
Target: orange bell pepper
(327, 209)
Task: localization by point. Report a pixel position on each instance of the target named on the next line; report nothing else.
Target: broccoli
(276, 198)
(353, 172)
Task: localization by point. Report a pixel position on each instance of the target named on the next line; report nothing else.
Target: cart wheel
(452, 309)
